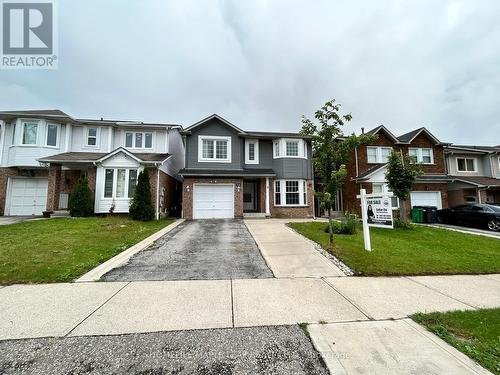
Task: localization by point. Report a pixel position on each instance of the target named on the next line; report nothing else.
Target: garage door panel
(426, 198)
(214, 201)
(27, 196)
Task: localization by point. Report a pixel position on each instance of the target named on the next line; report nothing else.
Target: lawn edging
(122, 258)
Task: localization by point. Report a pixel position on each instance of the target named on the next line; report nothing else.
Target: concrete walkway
(287, 253)
(29, 311)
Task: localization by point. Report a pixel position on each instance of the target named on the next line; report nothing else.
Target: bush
(141, 207)
(346, 226)
(80, 200)
(403, 224)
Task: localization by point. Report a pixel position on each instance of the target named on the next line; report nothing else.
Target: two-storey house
(232, 173)
(474, 174)
(44, 153)
(367, 168)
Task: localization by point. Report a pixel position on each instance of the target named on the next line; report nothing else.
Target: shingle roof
(274, 135)
(82, 157)
(475, 148)
(478, 181)
(230, 172)
(369, 171)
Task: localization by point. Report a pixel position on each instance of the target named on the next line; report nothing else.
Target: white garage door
(426, 198)
(213, 201)
(27, 196)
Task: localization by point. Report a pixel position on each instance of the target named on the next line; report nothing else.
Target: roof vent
(362, 130)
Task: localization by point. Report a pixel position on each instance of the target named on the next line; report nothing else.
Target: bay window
(138, 140)
(378, 155)
(214, 149)
(421, 155)
(30, 133)
(289, 148)
(119, 182)
(290, 193)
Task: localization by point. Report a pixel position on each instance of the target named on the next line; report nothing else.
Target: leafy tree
(80, 200)
(331, 151)
(141, 207)
(401, 175)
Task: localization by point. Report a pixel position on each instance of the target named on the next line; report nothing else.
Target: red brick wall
(53, 187)
(187, 194)
(291, 212)
(170, 191)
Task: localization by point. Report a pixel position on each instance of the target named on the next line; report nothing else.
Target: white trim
(67, 140)
(2, 139)
(385, 189)
(301, 184)
(86, 136)
(255, 142)
(143, 140)
(214, 138)
(378, 154)
(115, 182)
(280, 143)
(110, 138)
(25, 121)
(58, 135)
(474, 159)
(268, 210)
(214, 184)
(440, 200)
(420, 156)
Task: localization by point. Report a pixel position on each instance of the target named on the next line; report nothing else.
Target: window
(378, 154)
(13, 133)
(129, 137)
(294, 191)
(421, 155)
(290, 148)
(466, 164)
(30, 132)
(276, 149)
(148, 140)
(119, 183)
(138, 140)
(91, 136)
(251, 151)
(382, 187)
(51, 135)
(217, 149)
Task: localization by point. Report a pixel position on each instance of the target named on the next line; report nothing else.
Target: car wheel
(494, 225)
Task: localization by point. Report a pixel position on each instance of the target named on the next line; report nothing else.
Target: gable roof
(387, 131)
(94, 157)
(410, 136)
(369, 172)
(214, 116)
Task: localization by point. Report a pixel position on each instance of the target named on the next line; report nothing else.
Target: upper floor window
(30, 133)
(13, 140)
(52, 135)
(466, 164)
(290, 148)
(421, 155)
(91, 136)
(138, 140)
(216, 149)
(251, 151)
(378, 154)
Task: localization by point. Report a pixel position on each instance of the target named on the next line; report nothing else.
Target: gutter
(157, 192)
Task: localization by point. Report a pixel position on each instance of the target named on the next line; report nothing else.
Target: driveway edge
(122, 258)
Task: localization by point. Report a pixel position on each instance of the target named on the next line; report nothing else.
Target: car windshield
(493, 208)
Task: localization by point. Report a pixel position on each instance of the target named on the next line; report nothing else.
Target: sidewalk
(119, 307)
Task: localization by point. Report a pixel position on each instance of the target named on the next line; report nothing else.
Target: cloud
(263, 64)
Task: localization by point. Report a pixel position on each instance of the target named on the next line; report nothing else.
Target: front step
(254, 215)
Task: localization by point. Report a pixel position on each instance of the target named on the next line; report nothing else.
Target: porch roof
(478, 181)
(90, 157)
(188, 172)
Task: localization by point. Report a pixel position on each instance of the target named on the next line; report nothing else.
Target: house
(43, 153)
(474, 174)
(367, 167)
(232, 173)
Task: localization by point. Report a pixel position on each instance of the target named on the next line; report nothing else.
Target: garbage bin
(417, 215)
(429, 214)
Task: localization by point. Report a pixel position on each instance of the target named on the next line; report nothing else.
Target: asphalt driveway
(197, 250)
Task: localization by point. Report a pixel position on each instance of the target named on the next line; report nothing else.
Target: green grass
(474, 333)
(418, 251)
(62, 249)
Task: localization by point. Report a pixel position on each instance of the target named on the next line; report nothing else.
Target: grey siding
(213, 128)
(294, 168)
(265, 155)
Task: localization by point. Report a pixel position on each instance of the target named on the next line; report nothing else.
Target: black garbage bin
(430, 214)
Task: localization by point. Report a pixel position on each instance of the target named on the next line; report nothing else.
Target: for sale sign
(379, 211)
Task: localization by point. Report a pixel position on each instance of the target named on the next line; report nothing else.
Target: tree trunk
(402, 210)
(330, 229)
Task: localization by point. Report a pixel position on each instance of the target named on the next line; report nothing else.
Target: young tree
(331, 150)
(80, 200)
(401, 175)
(141, 207)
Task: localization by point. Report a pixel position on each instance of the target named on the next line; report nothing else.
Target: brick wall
(170, 191)
(291, 212)
(54, 187)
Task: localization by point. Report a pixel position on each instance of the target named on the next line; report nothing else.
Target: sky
(264, 64)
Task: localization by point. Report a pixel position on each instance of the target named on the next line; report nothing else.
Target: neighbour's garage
(426, 198)
(213, 201)
(26, 196)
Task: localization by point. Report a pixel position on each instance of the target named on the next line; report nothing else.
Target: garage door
(213, 201)
(426, 198)
(27, 196)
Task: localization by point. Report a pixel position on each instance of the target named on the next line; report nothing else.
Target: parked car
(472, 215)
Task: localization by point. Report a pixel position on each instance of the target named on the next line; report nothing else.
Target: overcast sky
(262, 64)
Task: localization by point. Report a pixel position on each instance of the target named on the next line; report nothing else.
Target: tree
(141, 207)
(80, 200)
(401, 175)
(331, 151)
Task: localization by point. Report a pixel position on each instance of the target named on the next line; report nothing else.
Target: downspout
(356, 157)
(2, 138)
(157, 192)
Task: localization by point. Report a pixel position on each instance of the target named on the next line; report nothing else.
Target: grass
(62, 249)
(474, 333)
(418, 251)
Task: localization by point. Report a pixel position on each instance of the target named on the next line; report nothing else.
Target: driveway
(469, 230)
(197, 250)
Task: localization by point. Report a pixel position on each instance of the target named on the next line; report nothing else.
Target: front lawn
(474, 333)
(62, 249)
(419, 251)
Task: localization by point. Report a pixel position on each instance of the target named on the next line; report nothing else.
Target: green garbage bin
(417, 215)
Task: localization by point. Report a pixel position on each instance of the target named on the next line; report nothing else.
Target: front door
(249, 196)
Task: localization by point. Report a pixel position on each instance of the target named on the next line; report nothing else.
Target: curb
(122, 258)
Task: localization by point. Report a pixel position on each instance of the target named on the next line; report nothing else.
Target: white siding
(176, 148)
(480, 169)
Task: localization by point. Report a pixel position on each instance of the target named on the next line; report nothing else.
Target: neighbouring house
(232, 173)
(474, 174)
(367, 168)
(43, 153)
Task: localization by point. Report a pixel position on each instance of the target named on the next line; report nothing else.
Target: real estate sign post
(376, 211)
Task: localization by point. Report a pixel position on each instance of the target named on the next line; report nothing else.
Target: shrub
(141, 207)
(403, 224)
(346, 226)
(80, 200)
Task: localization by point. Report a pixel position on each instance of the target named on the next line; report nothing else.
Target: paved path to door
(197, 250)
(287, 253)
